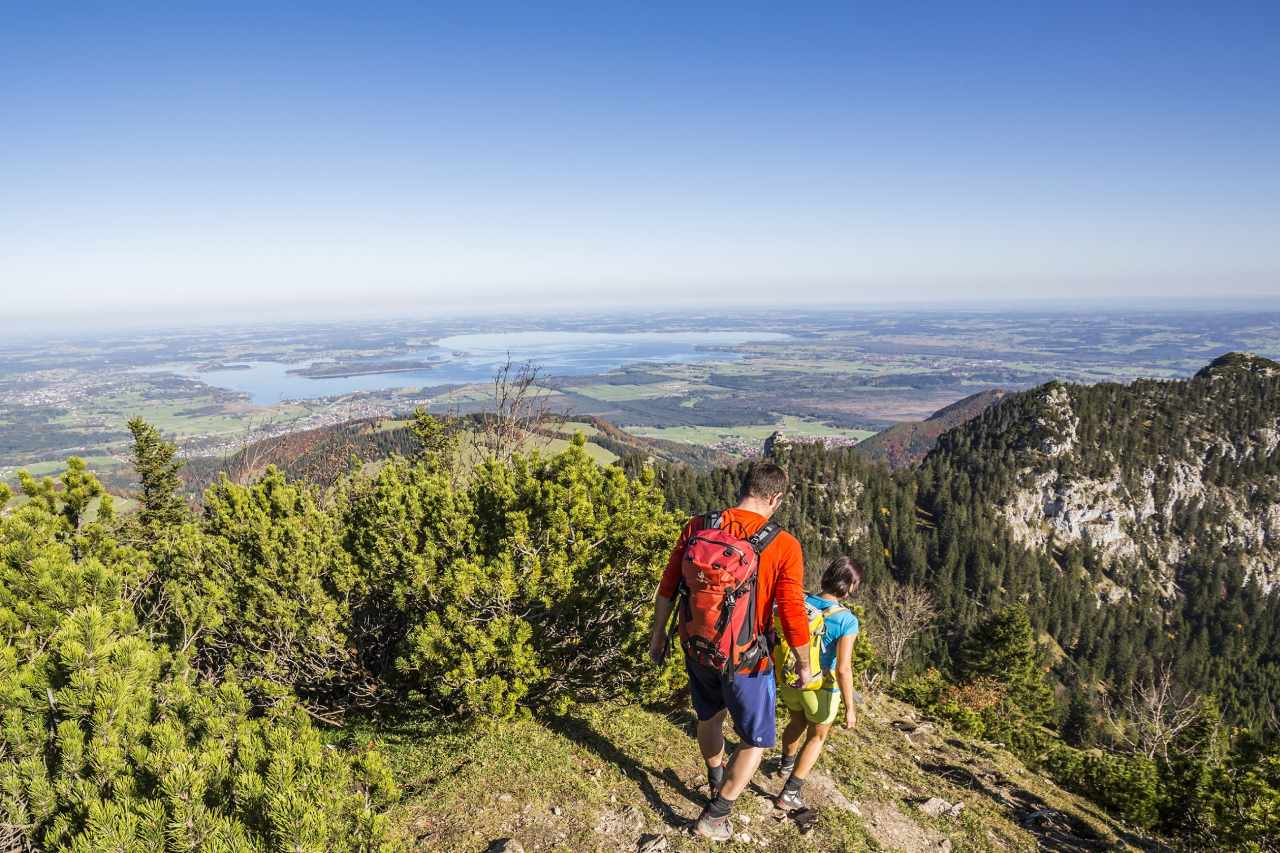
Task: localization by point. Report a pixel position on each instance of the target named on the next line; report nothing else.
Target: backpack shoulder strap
(834, 609)
(762, 537)
(712, 520)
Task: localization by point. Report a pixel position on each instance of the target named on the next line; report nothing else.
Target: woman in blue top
(813, 712)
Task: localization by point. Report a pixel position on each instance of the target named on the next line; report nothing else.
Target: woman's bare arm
(844, 676)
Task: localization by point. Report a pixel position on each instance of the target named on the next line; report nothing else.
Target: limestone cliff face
(1211, 486)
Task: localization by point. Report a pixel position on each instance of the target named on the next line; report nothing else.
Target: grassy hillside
(617, 778)
(907, 443)
(321, 455)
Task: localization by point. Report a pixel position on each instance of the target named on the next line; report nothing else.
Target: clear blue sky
(159, 156)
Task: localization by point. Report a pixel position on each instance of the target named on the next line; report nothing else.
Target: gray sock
(720, 807)
(715, 775)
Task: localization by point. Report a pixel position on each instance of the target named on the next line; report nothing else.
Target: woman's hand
(849, 717)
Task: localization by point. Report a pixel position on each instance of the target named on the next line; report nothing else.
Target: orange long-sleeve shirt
(780, 580)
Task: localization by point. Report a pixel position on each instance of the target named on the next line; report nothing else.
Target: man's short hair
(842, 577)
(763, 480)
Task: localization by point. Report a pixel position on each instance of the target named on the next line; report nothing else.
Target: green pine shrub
(1000, 658)
(401, 528)
(276, 588)
(1245, 796)
(112, 741)
(1126, 785)
(52, 562)
(1190, 774)
(157, 465)
(923, 690)
(529, 585)
(524, 583)
(962, 706)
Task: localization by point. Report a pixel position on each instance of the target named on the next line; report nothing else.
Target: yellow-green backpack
(784, 667)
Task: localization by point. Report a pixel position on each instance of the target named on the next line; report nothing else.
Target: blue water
(474, 358)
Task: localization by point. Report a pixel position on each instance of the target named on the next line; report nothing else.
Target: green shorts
(819, 706)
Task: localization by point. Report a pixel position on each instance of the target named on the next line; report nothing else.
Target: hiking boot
(789, 801)
(715, 828)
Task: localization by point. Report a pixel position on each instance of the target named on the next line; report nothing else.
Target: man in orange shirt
(747, 694)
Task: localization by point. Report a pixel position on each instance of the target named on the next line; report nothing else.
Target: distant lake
(474, 358)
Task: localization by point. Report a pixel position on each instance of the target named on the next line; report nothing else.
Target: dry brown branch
(520, 410)
(901, 613)
(16, 837)
(249, 458)
(1148, 720)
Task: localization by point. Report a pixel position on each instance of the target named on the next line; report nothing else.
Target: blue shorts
(751, 700)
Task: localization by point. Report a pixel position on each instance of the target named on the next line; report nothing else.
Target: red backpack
(717, 609)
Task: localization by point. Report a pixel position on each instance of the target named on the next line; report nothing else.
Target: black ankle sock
(715, 775)
(720, 807)
(788, 763)
(793, 785)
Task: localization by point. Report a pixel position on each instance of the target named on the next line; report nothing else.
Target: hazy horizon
(162, 162)
(254, 316)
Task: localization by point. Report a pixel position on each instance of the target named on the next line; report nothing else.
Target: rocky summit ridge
(1148, 472)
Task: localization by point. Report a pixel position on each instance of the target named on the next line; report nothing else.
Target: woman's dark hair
(842, 577)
